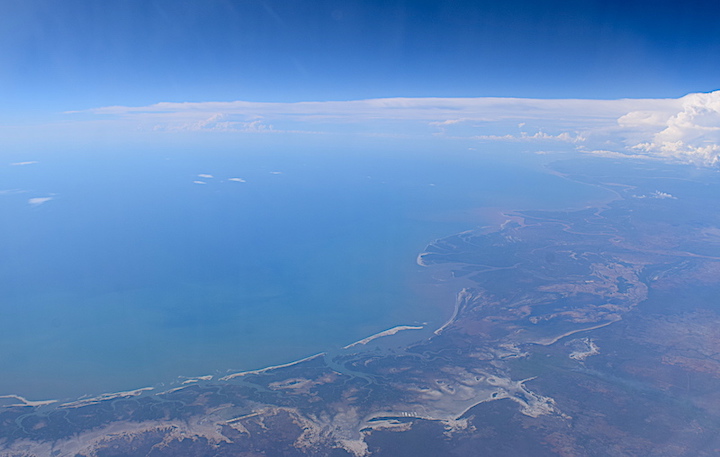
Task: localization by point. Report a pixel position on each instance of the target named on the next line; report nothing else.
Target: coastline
(499, 216)
(461, 296)
(26, 402)
(105, 397)
(388, 332)
(262, 370)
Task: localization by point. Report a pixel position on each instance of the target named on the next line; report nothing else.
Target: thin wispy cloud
(438, 111)
(37, 201)
(12, 191)
(524, 136)
(218, 122)
(447, 122)
(30, 162)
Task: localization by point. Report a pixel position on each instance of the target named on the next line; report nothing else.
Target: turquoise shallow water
(133, 274)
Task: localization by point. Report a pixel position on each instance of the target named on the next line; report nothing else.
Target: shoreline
(460, 297)
(273, 367)
(498, 216)
(389, 332)
(26, 402)
(105, 397)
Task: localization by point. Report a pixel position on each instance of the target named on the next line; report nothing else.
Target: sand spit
(263, 370)
(105, 397)
(553, 340)
(419, 260)
(388, 332)
(462, 298)
(198, 379)
(26, 402)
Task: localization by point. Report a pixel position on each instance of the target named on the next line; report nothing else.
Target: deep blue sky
(60, 55)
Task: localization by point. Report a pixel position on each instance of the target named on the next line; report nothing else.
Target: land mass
(590, 332)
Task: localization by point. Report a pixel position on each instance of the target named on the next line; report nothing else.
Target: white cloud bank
(435, 111)
(691, 133)
(685, 129)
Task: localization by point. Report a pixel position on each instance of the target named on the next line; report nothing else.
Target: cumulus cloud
(524, 136)
(690, 134)
(658, 195)
(199, 182)
(218, 122)
(203, 175)
(236, 179)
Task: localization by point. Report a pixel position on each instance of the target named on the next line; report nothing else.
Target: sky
(631, 78)
(60, 55)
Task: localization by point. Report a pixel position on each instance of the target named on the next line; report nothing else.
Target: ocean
(147, 265)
